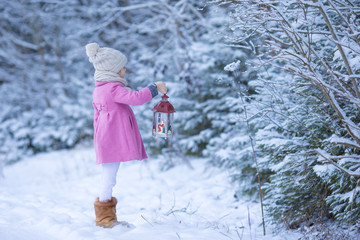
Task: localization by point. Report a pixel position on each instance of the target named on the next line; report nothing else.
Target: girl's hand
(161, 87)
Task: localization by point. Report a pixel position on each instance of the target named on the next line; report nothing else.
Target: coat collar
(99, 84)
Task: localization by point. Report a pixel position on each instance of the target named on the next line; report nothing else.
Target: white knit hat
(105, 59)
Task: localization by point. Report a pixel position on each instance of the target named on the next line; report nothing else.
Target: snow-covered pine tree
(214, 111)
(314, 151)
(43, 106)
(294, 193)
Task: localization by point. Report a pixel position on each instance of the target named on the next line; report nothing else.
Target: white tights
(109, 171)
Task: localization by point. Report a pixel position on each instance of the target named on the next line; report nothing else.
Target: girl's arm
(121, 95)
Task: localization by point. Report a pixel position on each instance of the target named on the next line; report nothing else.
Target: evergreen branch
(321, 84)
(355, 189)
(296, 122)
(342, 53)
(346, 171)
(342, 115)
(322, 61)
(289, 31)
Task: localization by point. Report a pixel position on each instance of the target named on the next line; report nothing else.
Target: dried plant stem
(146, 220)
(253, 151)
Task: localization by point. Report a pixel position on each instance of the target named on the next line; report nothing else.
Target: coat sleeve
(121, 95)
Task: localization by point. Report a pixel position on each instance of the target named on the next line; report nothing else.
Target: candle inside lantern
(163, 118)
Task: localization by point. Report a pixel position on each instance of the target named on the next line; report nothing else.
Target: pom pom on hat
(92, 49)
(105, 59)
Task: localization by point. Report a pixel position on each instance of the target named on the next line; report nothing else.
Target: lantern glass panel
(162, 124)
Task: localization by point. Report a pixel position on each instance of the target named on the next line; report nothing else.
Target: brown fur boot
(105, 213)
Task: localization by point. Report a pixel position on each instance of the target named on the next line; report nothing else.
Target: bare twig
(237, 232)
(342, 53)
(183, 210)
(249, 222)
(344, 20)
(146, 220)
(225, 235)
(238, 84)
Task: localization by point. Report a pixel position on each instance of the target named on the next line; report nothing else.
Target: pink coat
(116, 133)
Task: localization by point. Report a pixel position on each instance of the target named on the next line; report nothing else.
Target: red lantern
(163, 118)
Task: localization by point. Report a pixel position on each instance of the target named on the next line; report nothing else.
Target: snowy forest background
(281, 75)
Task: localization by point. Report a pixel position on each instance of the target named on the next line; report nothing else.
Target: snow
(349, 196)
(280, 165)
(340, 140)
(51, 195)
(232, 66)
(322, 170)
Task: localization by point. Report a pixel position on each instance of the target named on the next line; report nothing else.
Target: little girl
(116, 133)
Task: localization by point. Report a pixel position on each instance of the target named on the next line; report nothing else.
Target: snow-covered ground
(51, 195)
